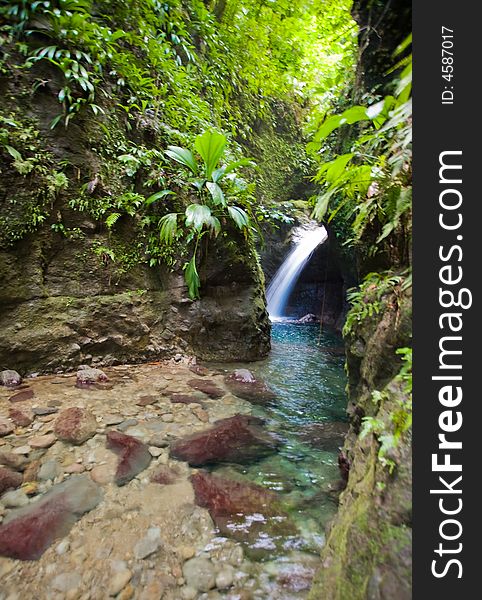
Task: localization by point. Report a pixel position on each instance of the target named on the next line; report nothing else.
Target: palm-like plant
(203, 218)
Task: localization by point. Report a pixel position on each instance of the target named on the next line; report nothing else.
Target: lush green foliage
(216, 189)
(173, 69)
(368, 299)
(370, 184)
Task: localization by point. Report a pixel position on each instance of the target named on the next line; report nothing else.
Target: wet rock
(183, 399)
(41, 411)
(206, 386)
(237, 439)
(243, 383)
(296, 578)
(199, 574)
(134, 456)
(6, 427)
(15, 499)
(42, 441)
(28, 532)
(10, 378)
(199, 370)
(88, 376)
(75, 425)
(309, 318)
(9, 479)
(19, 418)
(244, 511)
(225, 577)
(164, 475)
(22, 396)
(148, 544)
(328, 436)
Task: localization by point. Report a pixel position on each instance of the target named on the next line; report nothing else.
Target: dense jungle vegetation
(146, 137)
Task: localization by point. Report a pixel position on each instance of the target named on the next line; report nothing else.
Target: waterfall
(287, 275)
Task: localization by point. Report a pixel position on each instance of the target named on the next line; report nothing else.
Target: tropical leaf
(191, 277)
(197, 215)
(183, 156)
(216, 193)
(157, 196)
(168, 228)
(210, 145)
(214, 225)
(239, 216)
(218, 174)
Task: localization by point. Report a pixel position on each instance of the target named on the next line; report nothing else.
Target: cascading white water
(286, 276)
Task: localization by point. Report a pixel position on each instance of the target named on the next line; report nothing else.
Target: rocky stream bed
(143, 482)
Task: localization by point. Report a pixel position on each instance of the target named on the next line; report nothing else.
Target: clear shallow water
(306, 371)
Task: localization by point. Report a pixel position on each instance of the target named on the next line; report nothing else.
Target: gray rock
(49, 470)
(127, 423)
(199, 574)
(148, 544)
(15, 499)
(40, 411)
(10, 378)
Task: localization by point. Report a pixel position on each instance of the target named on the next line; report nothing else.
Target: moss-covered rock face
(73, 290)
(368, 550)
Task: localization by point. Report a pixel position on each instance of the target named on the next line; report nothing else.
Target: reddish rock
(199, 370)
(206, 386)
(243, 383)
(17, 462)
(75, 425)
(134, 456)
(247, 512)
(19, 418)
(237, 439)
(146, 400)
(164, 475)
(9, 479)
(184, 399)
(328, 436)
(27, 532)
(22, 396)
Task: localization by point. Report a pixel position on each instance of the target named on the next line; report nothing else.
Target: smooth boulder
(27, 532)
(238, 439)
